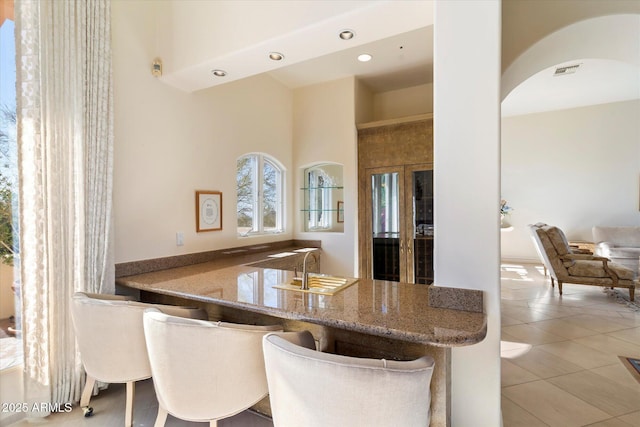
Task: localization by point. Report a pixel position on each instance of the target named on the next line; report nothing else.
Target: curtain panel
(65, 155)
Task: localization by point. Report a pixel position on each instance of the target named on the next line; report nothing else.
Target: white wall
(467, 180)
(169, 143)
(324, 131)
(572, 168)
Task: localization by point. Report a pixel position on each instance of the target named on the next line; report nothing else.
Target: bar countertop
(401, 311)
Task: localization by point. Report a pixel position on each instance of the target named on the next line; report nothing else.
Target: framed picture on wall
(340, 211)
(208, 210)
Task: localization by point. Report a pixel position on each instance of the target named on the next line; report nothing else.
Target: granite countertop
(401, 311)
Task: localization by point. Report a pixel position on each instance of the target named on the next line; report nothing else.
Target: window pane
(245, 177)
(259, 195)
(270, 197)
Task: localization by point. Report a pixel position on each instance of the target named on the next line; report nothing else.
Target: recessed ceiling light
(219, 73)
(364, 57)
(276, 56)
(346, 34)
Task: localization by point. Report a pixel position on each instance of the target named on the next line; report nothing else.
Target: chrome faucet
(305, 275)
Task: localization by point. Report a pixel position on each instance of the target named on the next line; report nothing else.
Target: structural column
(467, 36)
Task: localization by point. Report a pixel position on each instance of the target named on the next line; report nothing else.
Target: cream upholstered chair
(204, 371)
(620, 244)
(584, 269)
(314, 389)
(111, 340)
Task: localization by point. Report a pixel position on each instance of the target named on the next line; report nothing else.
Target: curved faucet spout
(305, 275)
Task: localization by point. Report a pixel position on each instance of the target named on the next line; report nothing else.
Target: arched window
(259, 186)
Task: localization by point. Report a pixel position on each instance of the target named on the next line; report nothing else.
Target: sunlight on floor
(512, 350)
(515, 272)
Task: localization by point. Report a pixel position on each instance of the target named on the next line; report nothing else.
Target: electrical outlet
(179, 238)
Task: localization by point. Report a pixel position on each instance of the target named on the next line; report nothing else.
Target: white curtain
(65, 140)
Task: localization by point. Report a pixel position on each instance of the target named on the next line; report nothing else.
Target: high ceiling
(402, 54)
(400, 61)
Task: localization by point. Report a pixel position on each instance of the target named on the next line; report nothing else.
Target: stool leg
(162, 417)
(131, 391)
(86, 396)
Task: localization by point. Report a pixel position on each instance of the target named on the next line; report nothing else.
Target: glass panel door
(400, 200)
(385, 221)
(421, 229)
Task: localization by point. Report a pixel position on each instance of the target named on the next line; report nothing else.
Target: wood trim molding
(407, 119)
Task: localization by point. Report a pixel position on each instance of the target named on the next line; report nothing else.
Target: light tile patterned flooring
(560, 363)
(108, 411)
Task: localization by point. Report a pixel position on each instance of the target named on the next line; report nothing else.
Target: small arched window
(259, 194)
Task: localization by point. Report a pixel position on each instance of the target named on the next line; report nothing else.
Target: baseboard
(512, 260)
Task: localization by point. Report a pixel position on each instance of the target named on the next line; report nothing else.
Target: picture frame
(208, 210)
(340, 211)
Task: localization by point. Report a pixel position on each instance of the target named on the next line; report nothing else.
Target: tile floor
(108, 409)
(560, 363)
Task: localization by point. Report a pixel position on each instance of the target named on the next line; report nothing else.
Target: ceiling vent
(569, 69)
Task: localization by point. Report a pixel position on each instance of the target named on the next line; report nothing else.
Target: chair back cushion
(110, 338)
(549, 249)
(205, 370)
(535, 238)
(110, 335)
(313, 389)
(558, 240)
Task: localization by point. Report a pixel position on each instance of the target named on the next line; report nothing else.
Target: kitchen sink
(322, 284)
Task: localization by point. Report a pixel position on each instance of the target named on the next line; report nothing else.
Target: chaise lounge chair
(565, 266)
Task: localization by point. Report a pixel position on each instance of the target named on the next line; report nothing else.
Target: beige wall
(169, 143)
(364, 103)
(324, 131)
(572, 168)
(525, 22)
(611, 37)
(403, 102)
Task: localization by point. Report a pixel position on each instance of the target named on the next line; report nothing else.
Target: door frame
(407, 226)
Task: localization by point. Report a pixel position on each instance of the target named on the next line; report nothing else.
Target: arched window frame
(250, 202)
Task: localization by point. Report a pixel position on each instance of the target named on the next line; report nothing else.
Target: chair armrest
(583, 257)
(107, 297)
(577, 250)
(302, 338)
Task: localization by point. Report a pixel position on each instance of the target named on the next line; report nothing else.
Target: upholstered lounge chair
(573, 248)
(585, 269)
